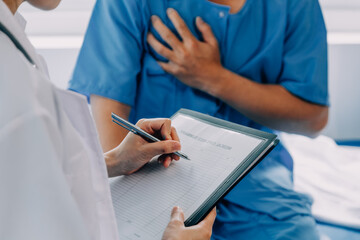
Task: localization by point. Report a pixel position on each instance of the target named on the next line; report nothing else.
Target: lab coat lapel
(76, 108)
(77, 126)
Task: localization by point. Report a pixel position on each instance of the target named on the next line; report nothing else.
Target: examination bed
(329, 171)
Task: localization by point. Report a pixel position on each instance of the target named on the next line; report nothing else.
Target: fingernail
(177, 146)
(167, 163)
(154, 18)
(169, 10)
(199, 19)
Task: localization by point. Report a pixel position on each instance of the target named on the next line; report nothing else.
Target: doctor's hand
(193, 62)
(176, 229)
(134, 152)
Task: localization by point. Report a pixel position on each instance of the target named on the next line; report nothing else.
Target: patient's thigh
(235, 222)
(332, 232)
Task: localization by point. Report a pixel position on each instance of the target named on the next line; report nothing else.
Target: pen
(138, 131)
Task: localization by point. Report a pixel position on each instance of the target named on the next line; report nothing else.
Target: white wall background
(343, 22)
(58, 36)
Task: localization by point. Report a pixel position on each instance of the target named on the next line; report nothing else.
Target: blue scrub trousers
(264, 206)
(235, 222)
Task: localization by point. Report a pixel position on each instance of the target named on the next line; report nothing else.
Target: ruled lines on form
(144, 200)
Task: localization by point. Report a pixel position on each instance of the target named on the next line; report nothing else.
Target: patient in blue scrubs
(260, 63)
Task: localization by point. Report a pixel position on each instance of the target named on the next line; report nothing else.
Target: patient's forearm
(110, 134)
(269, 105)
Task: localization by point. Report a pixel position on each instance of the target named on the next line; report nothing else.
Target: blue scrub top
(268, 41)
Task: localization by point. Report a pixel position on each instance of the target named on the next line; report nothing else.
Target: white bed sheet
(330, 174)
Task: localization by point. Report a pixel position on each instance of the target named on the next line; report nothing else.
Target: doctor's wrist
(113, 165)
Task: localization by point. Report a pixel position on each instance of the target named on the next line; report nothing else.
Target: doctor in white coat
(53, 177)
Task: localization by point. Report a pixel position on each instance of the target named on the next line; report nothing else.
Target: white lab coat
(53, 178)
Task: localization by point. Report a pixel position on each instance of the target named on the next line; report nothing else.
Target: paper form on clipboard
(221, 154)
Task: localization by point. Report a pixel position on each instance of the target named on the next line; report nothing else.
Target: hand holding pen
(136, 153)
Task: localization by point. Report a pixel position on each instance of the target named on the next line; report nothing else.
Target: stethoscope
(16, 43)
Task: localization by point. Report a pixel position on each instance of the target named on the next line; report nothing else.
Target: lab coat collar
(21, 20)
(16, 25)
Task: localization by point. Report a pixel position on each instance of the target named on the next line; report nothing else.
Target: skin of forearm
(119, 162)
(110, 134)
(112, 165)
(268, 104)
(198, 65)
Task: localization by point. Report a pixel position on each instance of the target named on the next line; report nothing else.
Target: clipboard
(269, 143)
(221, 154)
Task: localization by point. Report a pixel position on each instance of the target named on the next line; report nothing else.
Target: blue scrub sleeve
(110, 58)
(304, 71)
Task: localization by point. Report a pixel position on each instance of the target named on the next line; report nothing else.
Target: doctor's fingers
(168, 132)
(175, 137)
(166, 159)
(159, 148)
(174, 134)
(177, 216)
(209, 220)
(157, 126)
(203, 230)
